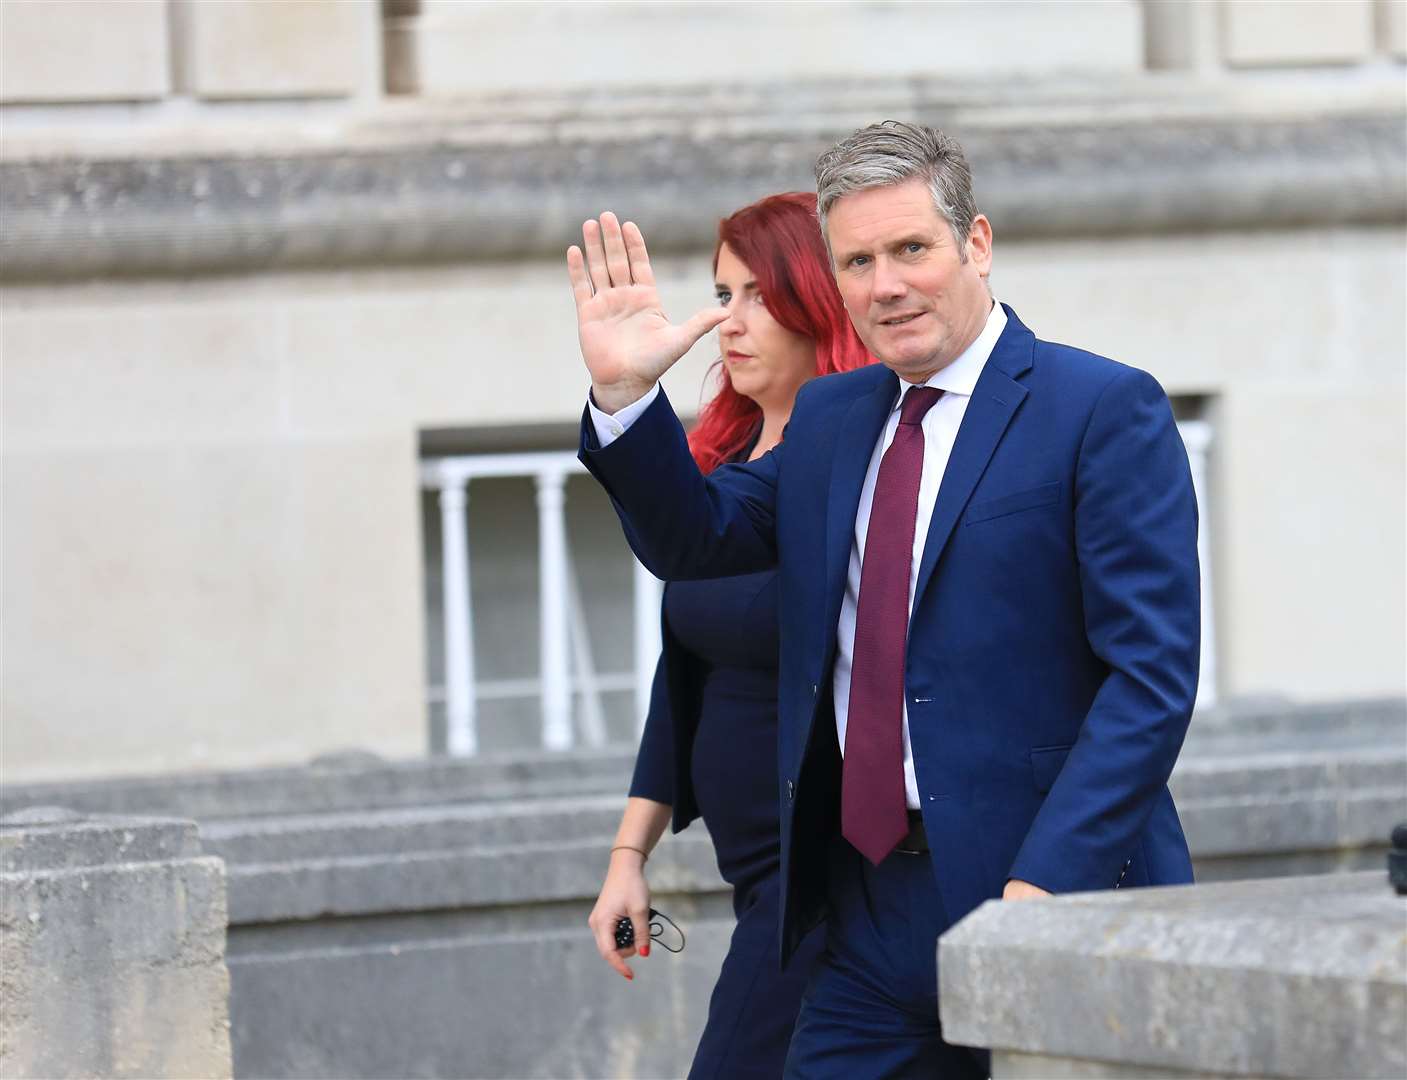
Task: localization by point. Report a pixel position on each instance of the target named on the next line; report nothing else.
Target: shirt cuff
(611, 426)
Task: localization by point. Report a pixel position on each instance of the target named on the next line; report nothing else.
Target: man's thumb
(703, 322)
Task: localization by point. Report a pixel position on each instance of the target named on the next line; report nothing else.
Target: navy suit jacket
(1053, 643)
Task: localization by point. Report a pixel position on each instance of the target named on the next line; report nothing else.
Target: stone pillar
(112, 948)
(1295, 977)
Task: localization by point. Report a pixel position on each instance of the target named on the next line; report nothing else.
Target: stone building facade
(262, 261)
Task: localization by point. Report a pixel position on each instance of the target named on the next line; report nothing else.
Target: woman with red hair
(709, 747)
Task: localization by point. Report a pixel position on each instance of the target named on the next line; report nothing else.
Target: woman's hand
(626, 339)
(624, 894)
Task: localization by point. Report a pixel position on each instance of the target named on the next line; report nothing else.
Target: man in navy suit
(989, 592)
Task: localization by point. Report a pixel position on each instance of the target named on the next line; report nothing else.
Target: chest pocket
(1030, 499)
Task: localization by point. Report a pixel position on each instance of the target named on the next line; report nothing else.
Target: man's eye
(859, 261)
(913, 248)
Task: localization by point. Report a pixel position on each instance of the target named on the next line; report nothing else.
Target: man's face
(914, 302)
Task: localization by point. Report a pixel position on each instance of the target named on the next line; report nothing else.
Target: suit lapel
(859, 430)
(995, 399)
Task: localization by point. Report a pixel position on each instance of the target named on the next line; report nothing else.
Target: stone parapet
(113, 956)
(511, 178)
(403, 918)
(1299, 977)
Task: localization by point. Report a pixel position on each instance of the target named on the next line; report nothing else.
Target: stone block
(60, 51)
(291, 49)
(451, 48)
(1286, 33)
(1303, 977)
(260, 584)
(113, 955)
(1325, 551)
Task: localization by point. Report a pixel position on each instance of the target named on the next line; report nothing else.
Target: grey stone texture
(1296, 977)
(428, 918)
(507, 177)
(112, 949)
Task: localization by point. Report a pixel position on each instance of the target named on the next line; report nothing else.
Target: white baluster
(588, 687)
(1197, 437)
(553, 600)
(648, 592)
(461, 734)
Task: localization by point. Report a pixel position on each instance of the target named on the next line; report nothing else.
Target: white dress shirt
(940, 430)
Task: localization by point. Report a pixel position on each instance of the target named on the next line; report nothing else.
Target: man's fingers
(702, 323)
(617, 263)
(595, 255)
(640, 271)
(576, 270)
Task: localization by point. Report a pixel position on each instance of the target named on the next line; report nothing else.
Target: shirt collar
(960, 377)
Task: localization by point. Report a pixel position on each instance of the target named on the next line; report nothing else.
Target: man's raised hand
(626, 339)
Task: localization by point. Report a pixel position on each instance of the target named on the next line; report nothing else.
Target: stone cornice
(488, 181)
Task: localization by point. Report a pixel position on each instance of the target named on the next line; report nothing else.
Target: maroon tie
(873, 814)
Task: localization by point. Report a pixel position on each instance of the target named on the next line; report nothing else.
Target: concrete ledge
(1299, 977)
(512, 180)
(445, 858)
(113, 958)
(354, 780)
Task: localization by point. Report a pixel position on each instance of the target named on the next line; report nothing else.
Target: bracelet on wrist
(644, 855)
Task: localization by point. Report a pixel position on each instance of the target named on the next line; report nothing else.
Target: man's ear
(979, 244)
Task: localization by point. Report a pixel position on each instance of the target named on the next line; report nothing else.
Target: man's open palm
(626, 339)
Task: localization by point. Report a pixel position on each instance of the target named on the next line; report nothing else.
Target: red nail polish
(644, 950)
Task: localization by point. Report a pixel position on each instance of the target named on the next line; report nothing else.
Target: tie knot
(917, 401)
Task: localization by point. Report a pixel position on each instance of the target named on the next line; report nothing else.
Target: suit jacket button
(814, 687)
(791, 791)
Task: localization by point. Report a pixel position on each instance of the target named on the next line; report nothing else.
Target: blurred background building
(266, 264)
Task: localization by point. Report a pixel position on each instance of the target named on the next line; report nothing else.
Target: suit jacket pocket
(1046, 763)
(1030, 499)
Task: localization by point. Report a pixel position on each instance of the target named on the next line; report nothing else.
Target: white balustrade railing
(567, 664)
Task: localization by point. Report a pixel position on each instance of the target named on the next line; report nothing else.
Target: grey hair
(894, 152)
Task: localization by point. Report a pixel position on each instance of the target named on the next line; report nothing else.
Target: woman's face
(765, 361)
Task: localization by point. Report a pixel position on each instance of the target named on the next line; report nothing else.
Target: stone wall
(236, 314)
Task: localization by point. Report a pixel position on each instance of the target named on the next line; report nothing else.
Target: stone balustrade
(1291, 977)
(412, 918)
(112, 960)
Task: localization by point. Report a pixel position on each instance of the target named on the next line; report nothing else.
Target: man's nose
(886, 284)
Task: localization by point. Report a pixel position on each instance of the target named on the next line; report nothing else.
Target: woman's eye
(725, 298)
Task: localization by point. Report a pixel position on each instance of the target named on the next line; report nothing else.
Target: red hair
(779, 240)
